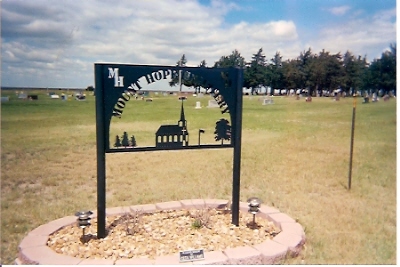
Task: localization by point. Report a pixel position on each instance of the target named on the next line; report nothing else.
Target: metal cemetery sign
(118, 85)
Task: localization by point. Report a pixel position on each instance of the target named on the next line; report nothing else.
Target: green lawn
(295, 156)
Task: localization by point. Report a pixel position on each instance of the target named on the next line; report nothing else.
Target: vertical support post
(101, 154)
(237, 149)
(352, 141)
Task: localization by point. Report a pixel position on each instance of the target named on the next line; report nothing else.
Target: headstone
(64, 97)
(198, 105)
(5, 99)
(22, 96)
(149, 100)
(386, 98)
(374, 97)
(366, 100)
(268, 101)
(308, 99)
(200, 95)
(54, 96)
(212, 104)
(164, 94)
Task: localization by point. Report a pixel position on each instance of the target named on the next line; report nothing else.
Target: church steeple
(182, 121)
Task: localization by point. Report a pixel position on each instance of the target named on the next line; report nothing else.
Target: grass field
(295, 156)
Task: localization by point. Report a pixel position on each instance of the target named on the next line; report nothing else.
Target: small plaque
(191, 255)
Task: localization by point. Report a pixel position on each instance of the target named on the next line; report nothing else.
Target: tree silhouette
(125, 140)
(222, 130)
(133, 141)
(117, 141)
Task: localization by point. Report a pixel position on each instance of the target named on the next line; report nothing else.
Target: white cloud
(340, 10)
(360, 35)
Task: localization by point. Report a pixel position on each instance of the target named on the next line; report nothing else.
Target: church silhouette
(169, 136)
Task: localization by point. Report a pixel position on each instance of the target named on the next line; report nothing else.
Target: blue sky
(49, 43)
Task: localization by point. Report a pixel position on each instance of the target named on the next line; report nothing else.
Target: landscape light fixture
(83, 220)
(200, 132)
(254, 205)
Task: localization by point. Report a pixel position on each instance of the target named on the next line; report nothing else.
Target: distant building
(173, 135)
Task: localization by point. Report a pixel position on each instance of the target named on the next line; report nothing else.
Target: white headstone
(5, 98)
(55, 96)
(212, 104)
(198, 105)
(268, 101)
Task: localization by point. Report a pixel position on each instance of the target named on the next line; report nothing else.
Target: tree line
(314, 73)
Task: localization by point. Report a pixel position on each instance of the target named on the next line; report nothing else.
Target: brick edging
(33, 248)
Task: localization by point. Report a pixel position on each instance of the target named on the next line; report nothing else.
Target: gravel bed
(138, 235)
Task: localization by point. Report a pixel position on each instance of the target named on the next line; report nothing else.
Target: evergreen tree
(133, 141)
(222, 130)
(181, 76)
(233, 60)
(304, 66)
(125, 141)
(117, 142)
(275, 73)
(255, 74)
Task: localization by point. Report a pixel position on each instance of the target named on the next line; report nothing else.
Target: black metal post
(352, 141)
(199, 136)
(237, 149)
(101, 154)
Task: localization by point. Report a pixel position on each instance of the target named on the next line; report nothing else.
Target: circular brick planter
(33, 248)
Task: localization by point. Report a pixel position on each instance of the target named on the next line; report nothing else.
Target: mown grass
(295, 156)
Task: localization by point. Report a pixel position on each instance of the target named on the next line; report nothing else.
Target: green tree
(304, 68)
(255, 73)
(233, 60)
(198, 82)
(388, 69)
(291, 74)
(180, 77)
(275, 77)
(382, 72)
(325, 72)
(354, 69)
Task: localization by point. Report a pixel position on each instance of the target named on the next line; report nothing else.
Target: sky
(47, 43)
